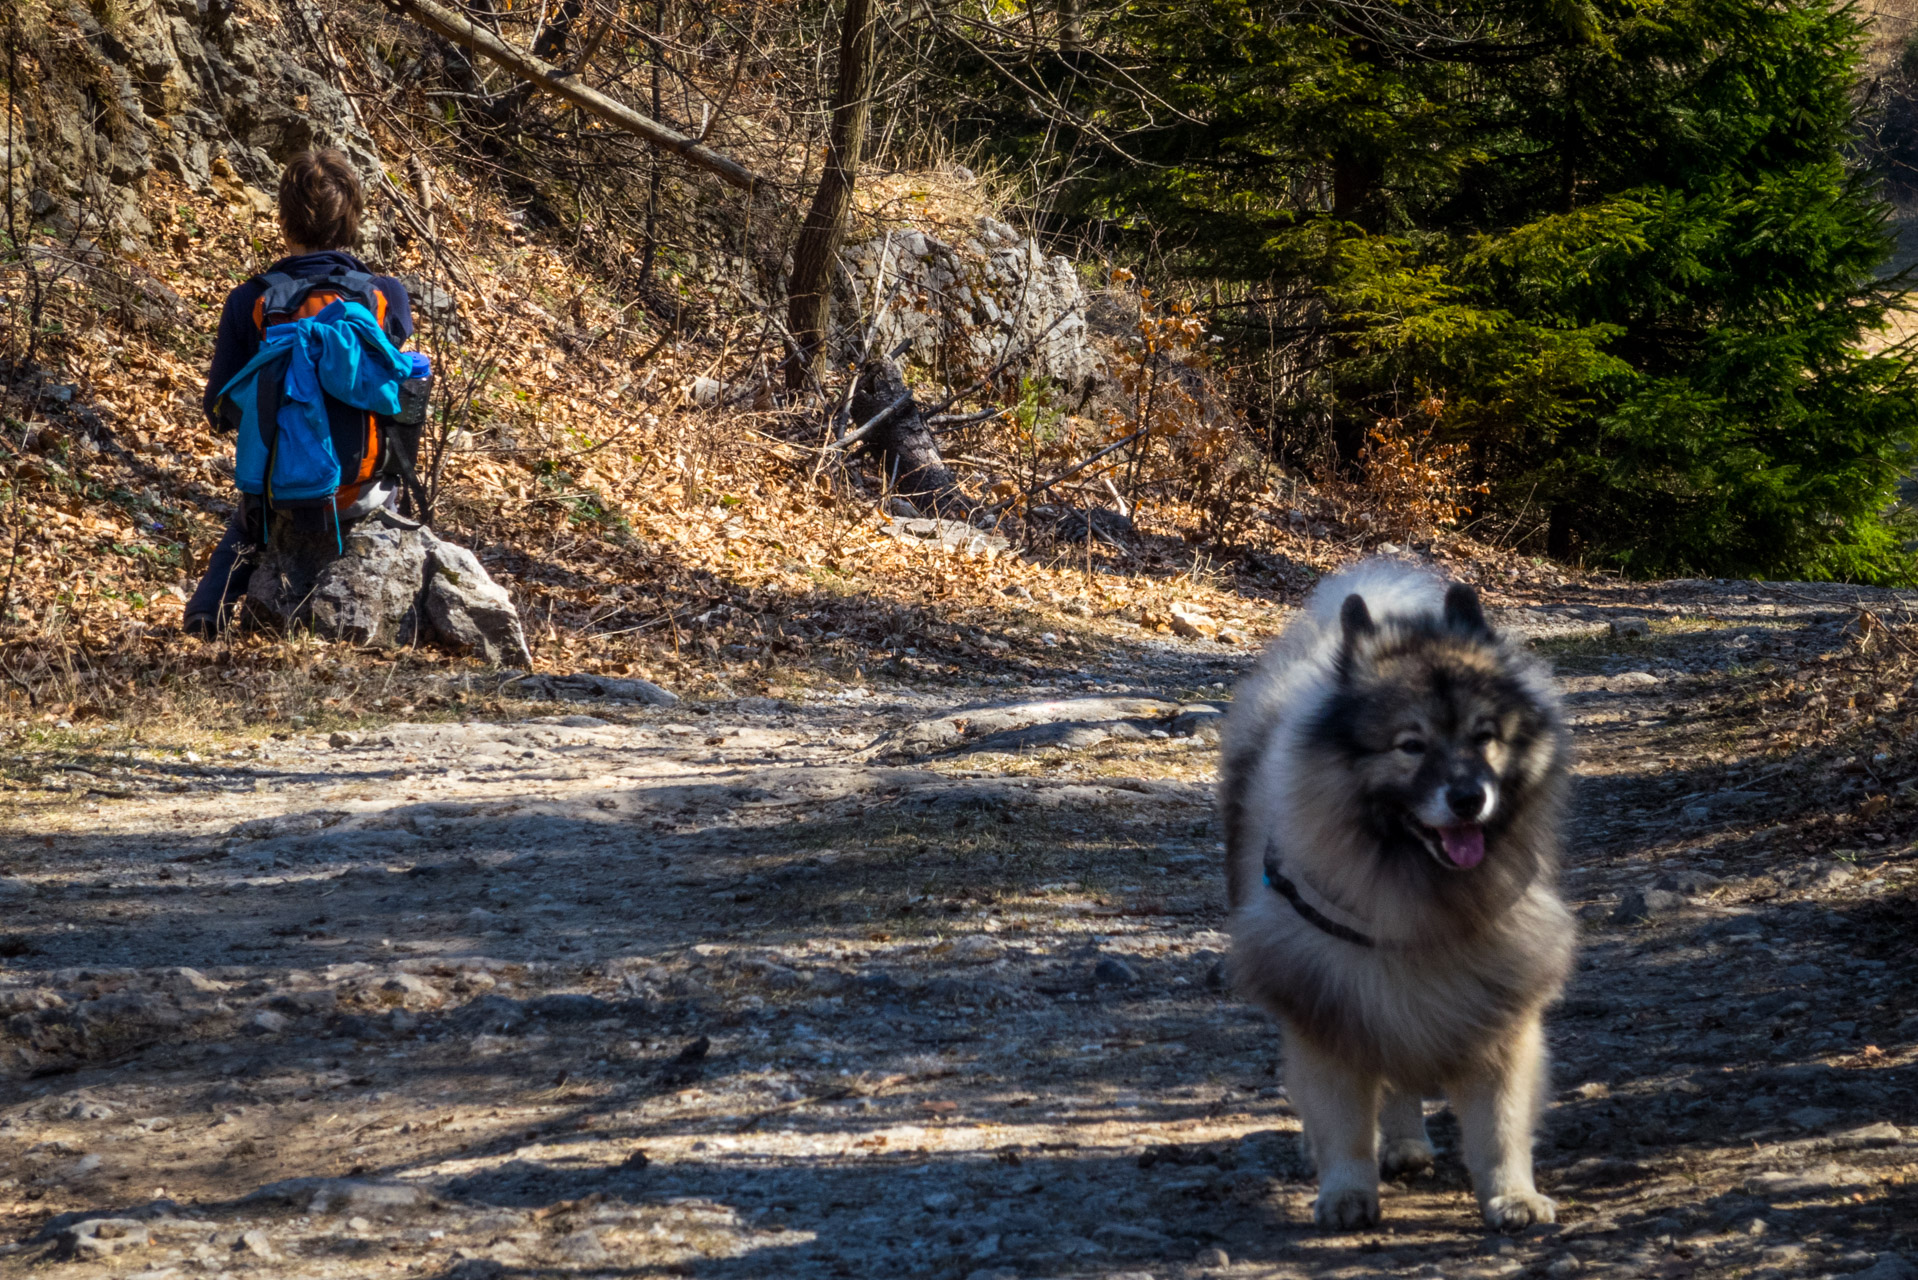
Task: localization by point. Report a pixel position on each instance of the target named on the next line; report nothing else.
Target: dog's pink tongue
(1465, 846)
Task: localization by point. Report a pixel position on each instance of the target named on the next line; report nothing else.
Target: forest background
(1535, 287)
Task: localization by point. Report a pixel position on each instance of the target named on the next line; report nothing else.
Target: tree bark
(551, 44)
(907, 451)
(652, 180)
(1072, 25)
(809, 290)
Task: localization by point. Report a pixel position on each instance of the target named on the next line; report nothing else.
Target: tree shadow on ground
(1684, 1041)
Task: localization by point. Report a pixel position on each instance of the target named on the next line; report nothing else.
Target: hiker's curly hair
(321, 201)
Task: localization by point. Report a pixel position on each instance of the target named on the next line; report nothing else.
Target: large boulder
(387, 581)
(467, 610)
(979, 298)
(370, 594)
(174, 85)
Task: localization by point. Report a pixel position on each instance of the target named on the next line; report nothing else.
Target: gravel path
(756, 989)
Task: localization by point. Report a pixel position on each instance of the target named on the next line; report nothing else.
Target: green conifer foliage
(1625, 243)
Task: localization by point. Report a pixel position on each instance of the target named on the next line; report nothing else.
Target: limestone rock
(1887, 1266)
(185, 981)
(175, 86)
(1024, 725)
(950, 535)
(1201, 720)
(368, 595)
(98, 1238)
(388, 581)
(340, 1195)
(590, 688)
(1112, 971)
(583, 1247)
(1192, 622)
(991, 295)
(1644, 904)
(469, 612)
(977, 948)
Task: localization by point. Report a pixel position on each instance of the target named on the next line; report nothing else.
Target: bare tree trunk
(809, 290)
(652, 181)
(551, 44)
(1072, 25)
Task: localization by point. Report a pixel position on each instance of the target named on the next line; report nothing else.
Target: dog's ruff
(1392, 780)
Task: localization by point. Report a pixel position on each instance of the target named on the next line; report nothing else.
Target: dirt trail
(727, 991)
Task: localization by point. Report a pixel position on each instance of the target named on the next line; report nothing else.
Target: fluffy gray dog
(1393, 776)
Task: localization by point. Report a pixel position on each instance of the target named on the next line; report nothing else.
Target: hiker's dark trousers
(226, 574)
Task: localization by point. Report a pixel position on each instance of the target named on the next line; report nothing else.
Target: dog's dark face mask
(1439, 738)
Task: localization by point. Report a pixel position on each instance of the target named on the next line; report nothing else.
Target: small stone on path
(977, 947)
(97, 1238)
(1882, 1134)
(1114, 972)
(1644, 904)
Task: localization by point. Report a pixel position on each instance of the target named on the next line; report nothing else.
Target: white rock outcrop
(965, 306)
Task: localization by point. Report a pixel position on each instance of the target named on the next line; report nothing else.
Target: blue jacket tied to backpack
(285, 447)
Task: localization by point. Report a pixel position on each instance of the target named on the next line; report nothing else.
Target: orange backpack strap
(298, 297)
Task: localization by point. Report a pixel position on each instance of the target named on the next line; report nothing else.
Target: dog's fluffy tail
(1390, 588)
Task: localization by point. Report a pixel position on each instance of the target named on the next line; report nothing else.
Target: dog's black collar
(1276, 881)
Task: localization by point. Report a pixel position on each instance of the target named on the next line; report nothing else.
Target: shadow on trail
(1701, 1039)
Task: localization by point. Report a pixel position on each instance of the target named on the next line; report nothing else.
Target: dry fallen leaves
(640, 533)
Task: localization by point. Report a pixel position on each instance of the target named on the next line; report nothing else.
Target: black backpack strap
(283, 295)
(270, 382)
(401, 466)
(360, 286)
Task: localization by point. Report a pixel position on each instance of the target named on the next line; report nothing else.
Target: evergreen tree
(1624, 245)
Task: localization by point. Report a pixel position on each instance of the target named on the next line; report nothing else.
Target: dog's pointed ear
(1355, 620)
(1462, 611)
(1355, 625)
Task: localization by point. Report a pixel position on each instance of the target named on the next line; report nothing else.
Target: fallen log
(443, 21)
(896, 433)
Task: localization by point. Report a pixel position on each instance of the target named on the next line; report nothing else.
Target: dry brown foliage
(1408, 484)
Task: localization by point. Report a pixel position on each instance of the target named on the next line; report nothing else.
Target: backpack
(367, 445)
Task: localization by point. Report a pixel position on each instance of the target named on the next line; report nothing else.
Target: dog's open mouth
(1460, 848)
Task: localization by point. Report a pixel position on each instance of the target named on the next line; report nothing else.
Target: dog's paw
(1519, 1211)
(1346, 1210)
(1405, 1158)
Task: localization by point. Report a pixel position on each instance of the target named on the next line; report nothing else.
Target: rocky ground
(872, 984)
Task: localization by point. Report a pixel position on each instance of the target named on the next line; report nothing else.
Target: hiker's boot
(204, 626)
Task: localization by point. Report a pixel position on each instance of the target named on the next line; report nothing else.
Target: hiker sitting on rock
(362, 454)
